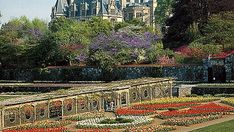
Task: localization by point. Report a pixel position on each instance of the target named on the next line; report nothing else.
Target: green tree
(163, 11)
(17, 38)
(189, 16)
(98, 25)
(219, 30)
(71, 36)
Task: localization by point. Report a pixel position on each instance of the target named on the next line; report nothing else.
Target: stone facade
(55, 105)
(111, 10)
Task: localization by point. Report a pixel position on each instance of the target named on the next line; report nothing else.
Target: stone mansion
(112, 10)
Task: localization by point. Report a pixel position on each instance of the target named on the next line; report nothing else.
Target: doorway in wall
(217, 74)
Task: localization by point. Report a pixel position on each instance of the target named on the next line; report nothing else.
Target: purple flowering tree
(124, 47)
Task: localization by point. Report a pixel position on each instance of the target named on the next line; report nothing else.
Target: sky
(30, 8)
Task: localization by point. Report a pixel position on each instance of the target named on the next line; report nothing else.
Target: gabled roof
(61, 6)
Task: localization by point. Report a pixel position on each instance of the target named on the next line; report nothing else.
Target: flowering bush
(121, 48)
(158, 128)
(132, 111)
(191, 120)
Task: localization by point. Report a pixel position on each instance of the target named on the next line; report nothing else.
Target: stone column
(48, 110)
(118, 100)
(170, 87)
(76, 103)
(62, 107)
(128, 98)
(151, 92)
(35, 113)
(100, 104)
(1, 119)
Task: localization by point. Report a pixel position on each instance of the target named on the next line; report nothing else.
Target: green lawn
(6, 97)
(227, 126)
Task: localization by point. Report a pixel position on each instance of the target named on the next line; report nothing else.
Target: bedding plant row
(118, 123)
(164, 106)
(86, 115)
(228, 101)
(186, 121)
(179, 100)
(149, 107)
(153, 128)
(205, 109)
(41, 126)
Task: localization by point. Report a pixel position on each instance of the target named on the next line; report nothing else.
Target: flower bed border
(94, 123)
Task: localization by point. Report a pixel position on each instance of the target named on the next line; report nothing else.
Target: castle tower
(60, 9)
(123, 3)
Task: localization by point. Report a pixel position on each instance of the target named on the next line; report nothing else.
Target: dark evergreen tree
(191, 13)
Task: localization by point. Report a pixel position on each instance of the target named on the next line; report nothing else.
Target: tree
(219, 30)
(163, 11)
(98, 25)
(71, 36)
(191, 14)
(17, 38)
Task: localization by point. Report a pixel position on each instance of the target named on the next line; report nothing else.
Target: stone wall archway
(55, 109)
(27, 114)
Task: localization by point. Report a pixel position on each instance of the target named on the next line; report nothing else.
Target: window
(12, 117)
(69, 107)
(138, 15)
(113, 11)
(146, 93)
(83, 13)
(123, 99)
(82, 105)
(95, 103)
(28, 114)
(130, 16)
(42, 112)
(94, 11)
(134, 95)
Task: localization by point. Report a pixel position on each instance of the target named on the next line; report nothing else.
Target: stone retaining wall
(182, 73)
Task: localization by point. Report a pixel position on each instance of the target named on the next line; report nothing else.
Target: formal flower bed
(132, 111)
(116, 120)
(86, 115)
(158, 128)
(212, 106)
(59, 129)
(191, 120)
(228, 101)
(163, 106)
(96, 122)
(205, 109)
(94, 130)
(43, 125)
(180, 100)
